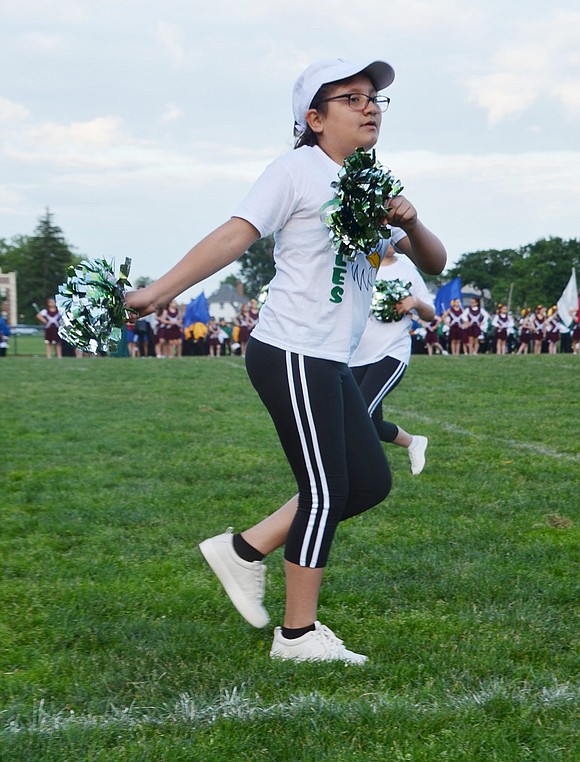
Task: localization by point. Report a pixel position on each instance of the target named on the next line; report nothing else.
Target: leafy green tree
(41, 263)
(257, 266)
(534, 274)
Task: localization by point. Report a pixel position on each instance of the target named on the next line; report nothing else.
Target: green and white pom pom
(92, 305)
(355, 217)
(386, 294)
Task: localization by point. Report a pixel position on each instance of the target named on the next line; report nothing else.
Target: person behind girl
(502, 323)
(538, 326)
(297, 357)
(575, 315)
(454, 319)
(171, 325)
(214, 347)
(524, 333)
(245, 322)
(432, 336)
(553, 330)
(474, 318)
(50, 317)
(384, 352)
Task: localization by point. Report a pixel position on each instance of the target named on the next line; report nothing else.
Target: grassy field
(116, 642)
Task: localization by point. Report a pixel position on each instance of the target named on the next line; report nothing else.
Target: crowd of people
(166, 334)
(161, 334)
(472, 330)
(457, 330)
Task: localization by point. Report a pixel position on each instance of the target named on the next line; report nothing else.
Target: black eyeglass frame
(377, 100)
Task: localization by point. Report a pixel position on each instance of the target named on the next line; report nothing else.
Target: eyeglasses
(360, 101)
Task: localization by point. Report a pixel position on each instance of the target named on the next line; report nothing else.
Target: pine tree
(40, 261)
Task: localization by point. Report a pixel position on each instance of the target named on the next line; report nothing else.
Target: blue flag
(196, 311)
(446, 294)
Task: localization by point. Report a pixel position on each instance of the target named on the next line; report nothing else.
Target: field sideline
(117, 644)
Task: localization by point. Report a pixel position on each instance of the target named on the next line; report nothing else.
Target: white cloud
(539, 63)
(98, 132)
(172, 41)
(171, 113)
(10, 111)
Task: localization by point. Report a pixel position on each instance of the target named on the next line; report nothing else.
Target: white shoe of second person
(416, 452)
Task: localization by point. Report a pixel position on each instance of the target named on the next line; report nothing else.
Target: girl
(245, 320)
(297, 357)
(432, 336)
(50, 318)
(538, 325)
(454, 319)
(172, 326)
(502, 323)
(553, 332)
(214, 347)
(383, 354)
(575, 314)
(525, 334)
(474, 318)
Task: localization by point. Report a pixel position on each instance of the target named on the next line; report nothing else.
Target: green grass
(116, 643)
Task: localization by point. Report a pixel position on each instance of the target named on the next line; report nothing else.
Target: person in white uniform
(297, 357)
(384, 352)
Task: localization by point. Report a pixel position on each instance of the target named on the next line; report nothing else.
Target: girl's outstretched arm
(218, 249)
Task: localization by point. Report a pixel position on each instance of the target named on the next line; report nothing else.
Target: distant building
(227, 301)
(8, 301)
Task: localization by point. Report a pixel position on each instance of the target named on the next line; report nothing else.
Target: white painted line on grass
(236, 705)
(512, 444)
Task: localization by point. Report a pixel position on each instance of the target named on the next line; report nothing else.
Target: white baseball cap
(324, 72)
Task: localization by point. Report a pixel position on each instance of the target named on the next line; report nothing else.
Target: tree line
(533, 274)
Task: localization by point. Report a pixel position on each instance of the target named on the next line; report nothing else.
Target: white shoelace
(331, 642)
(259, 580)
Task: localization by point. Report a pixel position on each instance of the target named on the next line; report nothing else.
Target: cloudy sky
(142, 124)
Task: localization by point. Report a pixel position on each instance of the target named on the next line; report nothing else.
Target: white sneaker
(320, 644)
(243, 581)
(416, 452)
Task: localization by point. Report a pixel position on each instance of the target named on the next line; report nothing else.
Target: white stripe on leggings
(386, 388)
(310, 466)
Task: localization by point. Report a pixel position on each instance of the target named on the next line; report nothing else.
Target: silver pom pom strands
(386, 294)
(355, 215)
(92, 305)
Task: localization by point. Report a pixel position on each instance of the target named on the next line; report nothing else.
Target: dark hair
(309, 137)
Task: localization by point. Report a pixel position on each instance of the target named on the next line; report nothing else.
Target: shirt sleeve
(271, 200)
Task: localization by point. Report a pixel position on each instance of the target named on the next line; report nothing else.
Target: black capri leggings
(375, 382)
(329, 441)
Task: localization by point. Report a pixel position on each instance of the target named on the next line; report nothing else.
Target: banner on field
(446, 294)
(197, 311)
(569, 300)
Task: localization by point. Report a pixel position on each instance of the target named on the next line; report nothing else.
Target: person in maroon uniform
(246, 322)
(553, 332)
(454, 319)
(50, 318)
(538, 325)
(524, 333)
(502, 323)
(474, 317)
(171, 325)
(575, 313)
(432, 336)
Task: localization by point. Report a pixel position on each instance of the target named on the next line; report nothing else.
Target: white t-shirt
(381, 339)
(318, 301)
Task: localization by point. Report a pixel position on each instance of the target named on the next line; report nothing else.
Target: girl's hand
(401, 214)
(139, 302)
(405, 305)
